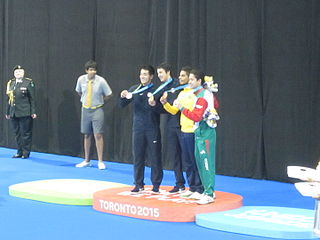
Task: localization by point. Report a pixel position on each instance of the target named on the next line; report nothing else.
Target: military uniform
(21, 105)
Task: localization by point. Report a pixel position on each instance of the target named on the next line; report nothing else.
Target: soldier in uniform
(21, 110)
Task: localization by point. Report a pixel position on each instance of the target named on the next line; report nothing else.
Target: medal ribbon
(172, 90)
(142, 89)
(196, 89)
(162, 86)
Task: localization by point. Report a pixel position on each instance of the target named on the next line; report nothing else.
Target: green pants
(205, 154)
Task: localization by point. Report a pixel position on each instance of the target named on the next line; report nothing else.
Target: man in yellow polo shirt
(94, 91)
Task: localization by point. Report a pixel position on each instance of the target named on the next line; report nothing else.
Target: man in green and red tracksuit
(204, 116)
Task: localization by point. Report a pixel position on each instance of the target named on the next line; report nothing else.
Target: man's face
(163, 75)
(145, 77)
(193, 81)
(18, 73)
(183, 78)
(91, 72)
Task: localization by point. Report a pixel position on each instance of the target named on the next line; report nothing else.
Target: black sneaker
(177, 189)
(155, 190)
(137, 189)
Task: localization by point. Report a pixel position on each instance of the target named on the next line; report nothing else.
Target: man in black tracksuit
(172, 124)
(21, 110)
(146, 136)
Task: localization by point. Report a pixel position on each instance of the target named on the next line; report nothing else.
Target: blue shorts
(92, 120)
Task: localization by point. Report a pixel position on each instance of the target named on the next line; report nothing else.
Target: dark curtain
(234, 55)
(264, 55)
(290, 75)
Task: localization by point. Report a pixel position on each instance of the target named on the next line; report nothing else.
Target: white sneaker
(195, 196)
(101, 166)
(83, 164)
(205, 199)
(186, 194)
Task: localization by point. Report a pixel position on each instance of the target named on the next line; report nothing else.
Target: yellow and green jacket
(187, 99)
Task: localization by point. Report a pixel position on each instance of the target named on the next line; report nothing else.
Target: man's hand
(177, 104)
(164, 97)
(151, 101)
(124, 93)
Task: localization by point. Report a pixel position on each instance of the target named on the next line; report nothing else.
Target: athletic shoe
(186, 194)
(205, 199)
(195, 196)
(316, 231)
(101, 166)
(83, 164)
(155, 190)
(176, 189)
(137, 189)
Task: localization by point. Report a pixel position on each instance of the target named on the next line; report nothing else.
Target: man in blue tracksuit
(146, 136)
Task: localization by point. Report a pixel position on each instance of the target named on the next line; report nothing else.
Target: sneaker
(316, 231)
(205, 199)
(101, 166)
(176, 189)
(155, 190)
(137, 189)
(186, 194)
(195, 196)
(83, 164)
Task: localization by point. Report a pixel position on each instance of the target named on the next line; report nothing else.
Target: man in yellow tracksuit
(186, 137)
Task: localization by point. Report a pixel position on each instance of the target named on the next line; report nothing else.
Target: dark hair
(165, 66)
(198, 74)
(90, 64)
(186, 69)
(149, 68)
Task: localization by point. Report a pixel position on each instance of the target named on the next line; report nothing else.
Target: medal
(149, 94)
(129, 95)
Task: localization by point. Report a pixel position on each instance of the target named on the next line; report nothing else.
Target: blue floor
(26, 219)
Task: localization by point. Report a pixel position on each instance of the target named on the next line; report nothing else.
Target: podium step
(160, 207)
(262, 221)
(61, 191)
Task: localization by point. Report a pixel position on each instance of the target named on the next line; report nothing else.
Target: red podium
(159, 207)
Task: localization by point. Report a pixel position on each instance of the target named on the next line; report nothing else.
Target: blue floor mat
(27, 219)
